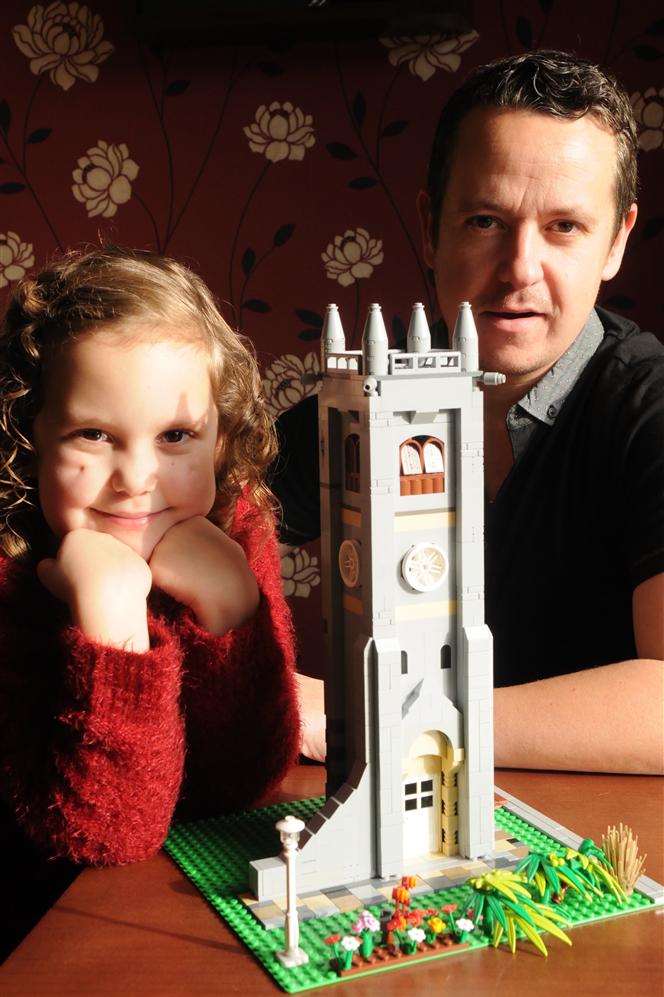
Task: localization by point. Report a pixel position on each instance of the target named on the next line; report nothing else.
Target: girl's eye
(94, 435)
(176, 435)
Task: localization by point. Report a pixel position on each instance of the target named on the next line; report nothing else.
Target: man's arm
(606, 719)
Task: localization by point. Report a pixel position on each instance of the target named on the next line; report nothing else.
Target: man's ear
(423, 204)
(617, 251)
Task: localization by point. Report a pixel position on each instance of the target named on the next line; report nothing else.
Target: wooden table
(144, 930)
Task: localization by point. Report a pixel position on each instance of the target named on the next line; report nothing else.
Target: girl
(146, 656)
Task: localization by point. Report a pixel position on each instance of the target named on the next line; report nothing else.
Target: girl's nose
(134, 473)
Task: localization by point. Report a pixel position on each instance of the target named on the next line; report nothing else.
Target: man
(529, 204)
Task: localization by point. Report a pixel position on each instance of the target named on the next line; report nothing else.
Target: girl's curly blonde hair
(82, 291)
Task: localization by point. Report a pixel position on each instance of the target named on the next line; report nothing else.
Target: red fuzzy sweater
(99, 745)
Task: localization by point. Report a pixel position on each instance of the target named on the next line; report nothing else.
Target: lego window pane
(411, 462)
(410, 787)
(433, 458)
(411, 804)
(427, 786)
(427, 801)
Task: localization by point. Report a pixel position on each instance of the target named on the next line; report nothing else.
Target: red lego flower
(449, 908)
(332, 939)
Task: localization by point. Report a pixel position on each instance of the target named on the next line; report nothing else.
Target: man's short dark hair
(555, 83)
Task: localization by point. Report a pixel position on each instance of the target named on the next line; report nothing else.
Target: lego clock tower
(409, 689)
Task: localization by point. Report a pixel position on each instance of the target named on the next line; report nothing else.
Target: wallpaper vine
(285, 174)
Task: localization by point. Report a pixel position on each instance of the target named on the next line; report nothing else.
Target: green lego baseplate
(215, 853)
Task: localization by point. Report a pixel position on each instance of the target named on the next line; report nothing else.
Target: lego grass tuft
(214, 854)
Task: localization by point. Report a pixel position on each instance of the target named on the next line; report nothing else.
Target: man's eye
(565, 227)
(176, 435)
(93, 435)
(482, 221)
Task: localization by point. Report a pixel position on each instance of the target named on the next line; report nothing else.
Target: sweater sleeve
(239, 693)
(91, 738)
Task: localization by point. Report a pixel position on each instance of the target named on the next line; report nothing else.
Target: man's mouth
(511, 314)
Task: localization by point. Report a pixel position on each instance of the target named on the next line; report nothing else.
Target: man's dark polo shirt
(579, 521)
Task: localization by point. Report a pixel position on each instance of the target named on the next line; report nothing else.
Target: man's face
(527, 233)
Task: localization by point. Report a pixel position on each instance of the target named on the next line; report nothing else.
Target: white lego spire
(419, 337)
(464, 338)
(332, 336)
(375, 344)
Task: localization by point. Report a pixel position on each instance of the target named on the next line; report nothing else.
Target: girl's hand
(197, 564)
(105, 584)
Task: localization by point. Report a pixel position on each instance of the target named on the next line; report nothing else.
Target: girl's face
(127, 436)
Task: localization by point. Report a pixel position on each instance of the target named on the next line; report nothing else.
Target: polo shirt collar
(545, 399)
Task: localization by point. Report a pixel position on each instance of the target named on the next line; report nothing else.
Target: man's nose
(521, 264)
(134, 473)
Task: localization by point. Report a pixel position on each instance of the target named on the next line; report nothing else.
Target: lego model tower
(409, 691)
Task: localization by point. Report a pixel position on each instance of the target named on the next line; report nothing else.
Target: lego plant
(344, 948)
(551, 875)
(501, 903)
(593, 862)
(366, 927)
(622, 852)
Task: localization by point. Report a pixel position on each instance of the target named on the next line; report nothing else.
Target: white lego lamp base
(293, 958)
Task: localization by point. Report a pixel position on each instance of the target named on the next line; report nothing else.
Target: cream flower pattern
(649, 112)
(289, 379)
(102, 178)
(299, 573)
(280, 131)
(352, 256)
(16, 257)
(65, 41)
(427, 53)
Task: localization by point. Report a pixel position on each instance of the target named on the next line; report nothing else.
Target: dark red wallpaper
(287, 175)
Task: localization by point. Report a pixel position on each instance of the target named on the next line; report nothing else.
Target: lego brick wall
(285, 173)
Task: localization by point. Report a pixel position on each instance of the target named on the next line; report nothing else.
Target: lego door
(422, 806)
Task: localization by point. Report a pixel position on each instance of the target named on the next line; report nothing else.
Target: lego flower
(280, 131)
(352, 256)
(350, 943)
(366, 922)
(427, 53)
(16, 257)
(299, 573)
(401, 895)
(289, 379)
(102, 178)
(465, 924)
(63, 40)
(397, 922)
(436, 925)
(649, 113)
(416, 935)
(449, 908)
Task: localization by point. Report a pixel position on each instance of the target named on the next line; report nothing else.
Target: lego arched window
(421, 466)
(352, 462)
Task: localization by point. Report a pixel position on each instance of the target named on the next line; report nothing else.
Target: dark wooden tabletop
(144, 930)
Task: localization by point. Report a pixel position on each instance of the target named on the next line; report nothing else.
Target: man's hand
(201, 567)
(311, 693)
(105, 584)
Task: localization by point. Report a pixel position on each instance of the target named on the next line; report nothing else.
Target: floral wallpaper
(285, 174)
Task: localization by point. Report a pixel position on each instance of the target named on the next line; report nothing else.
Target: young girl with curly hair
(146, 655)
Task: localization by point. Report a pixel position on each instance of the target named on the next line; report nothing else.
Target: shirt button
(552, 411)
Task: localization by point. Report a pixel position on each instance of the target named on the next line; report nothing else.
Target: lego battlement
(350, 363)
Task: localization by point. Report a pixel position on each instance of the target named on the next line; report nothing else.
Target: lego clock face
(349, 563)
(424, 566)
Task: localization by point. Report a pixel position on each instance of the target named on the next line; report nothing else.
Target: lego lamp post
(289, 830)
